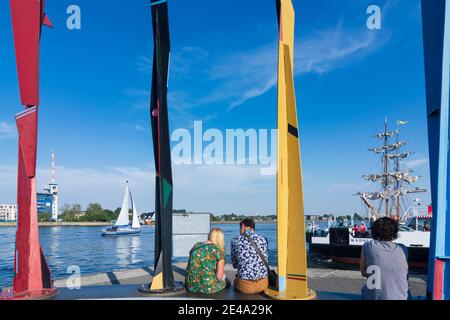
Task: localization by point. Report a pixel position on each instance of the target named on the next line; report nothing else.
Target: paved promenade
(344, 284)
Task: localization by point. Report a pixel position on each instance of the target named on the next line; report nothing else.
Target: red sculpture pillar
(32, 278)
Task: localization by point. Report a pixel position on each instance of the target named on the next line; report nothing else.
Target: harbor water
(85, 248)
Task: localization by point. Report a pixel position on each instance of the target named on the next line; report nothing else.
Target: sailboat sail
(135, 224)
(123, 220)
(122, 225)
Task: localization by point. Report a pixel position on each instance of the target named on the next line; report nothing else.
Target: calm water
(86, 248)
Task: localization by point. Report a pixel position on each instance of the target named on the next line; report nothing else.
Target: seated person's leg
(251, 287)
(243, 286)
(262, 285)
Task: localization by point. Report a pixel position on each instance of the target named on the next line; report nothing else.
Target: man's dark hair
(248, 223)
(385, 229)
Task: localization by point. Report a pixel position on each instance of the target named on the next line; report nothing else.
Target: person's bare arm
(362, 263)
(220, 269)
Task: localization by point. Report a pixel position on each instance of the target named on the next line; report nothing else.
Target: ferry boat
(393, 198)
(122, 225)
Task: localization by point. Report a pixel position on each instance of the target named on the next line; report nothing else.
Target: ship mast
(393, 179)
(386, 163)
(397, 169)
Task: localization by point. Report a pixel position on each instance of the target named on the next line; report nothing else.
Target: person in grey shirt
(384, 263)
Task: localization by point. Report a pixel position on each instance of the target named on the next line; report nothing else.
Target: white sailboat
(122, 225)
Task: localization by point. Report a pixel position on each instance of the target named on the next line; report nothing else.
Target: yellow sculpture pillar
(292, 261)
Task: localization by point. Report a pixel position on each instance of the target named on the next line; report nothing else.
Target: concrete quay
(330, 285)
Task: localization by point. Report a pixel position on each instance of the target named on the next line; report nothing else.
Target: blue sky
(95, 95)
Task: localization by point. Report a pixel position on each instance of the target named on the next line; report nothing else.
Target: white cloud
(8, 177)
(416, 163)
(182, 61)
(391, 4)
(144, 64)
(7, 130)
(133, 93)
(138, 127)
(332, 49)
(135, 100)
(345, 187)
(135, 126)
(238, 77)
(186, 59)
(221, 189)
(249, 75)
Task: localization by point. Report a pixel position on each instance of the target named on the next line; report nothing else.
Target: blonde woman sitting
(205, 271)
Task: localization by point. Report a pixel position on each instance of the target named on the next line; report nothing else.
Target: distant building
(47, 201)
(313, 217)
(44, 203)
(8, 212)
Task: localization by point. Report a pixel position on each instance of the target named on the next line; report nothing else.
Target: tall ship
(395, 195)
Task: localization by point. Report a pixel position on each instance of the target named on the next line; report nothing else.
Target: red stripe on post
(438, 280)
(298, 279)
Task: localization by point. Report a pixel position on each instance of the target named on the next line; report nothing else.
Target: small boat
(149, 222)
(148, 219)
(122, 226)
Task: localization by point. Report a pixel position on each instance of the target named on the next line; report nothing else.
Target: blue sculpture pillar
(436, 38)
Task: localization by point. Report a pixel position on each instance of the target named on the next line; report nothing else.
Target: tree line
(96, 213)
(235, 217)
(75, 213)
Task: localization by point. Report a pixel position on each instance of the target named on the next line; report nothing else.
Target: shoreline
(237, 222)
(59, 224)
(104, 224)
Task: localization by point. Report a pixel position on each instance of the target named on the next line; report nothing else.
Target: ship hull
(121, 232)
(342, 247)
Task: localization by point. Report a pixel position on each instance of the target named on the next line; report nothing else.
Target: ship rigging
(395, 180)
